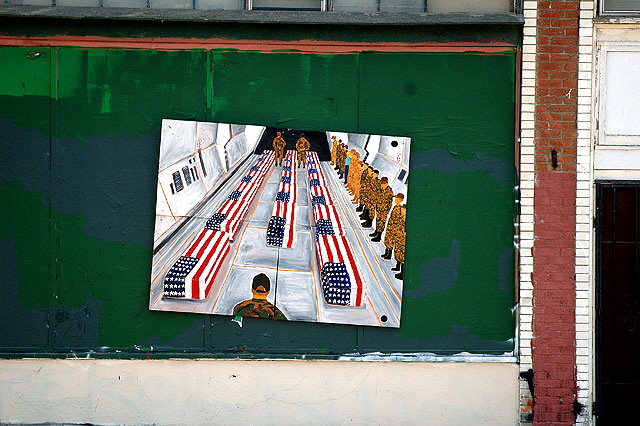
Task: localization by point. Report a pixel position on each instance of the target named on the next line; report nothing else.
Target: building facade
(524, 313)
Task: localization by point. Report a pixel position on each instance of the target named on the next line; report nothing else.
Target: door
(617, 291)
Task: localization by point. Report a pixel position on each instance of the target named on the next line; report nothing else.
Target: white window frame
(603, 11)
(604, 139)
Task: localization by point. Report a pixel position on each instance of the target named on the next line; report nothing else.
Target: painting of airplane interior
(280, 223)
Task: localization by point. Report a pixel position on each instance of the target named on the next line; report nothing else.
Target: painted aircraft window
(177, 181)
(187, 175)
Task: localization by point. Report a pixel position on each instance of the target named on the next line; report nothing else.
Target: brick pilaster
(555, 135)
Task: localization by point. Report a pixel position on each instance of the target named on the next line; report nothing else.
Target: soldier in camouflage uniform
(259, 306)
(349, 162)
(366, 169)
(373, 190)
(355, 173)
(278, 146)
(340, 158)
(334, 150)
(394, 237)
(399, 254)
(302, 146)
(384, 200)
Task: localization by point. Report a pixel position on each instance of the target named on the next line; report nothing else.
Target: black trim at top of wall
(38, 21)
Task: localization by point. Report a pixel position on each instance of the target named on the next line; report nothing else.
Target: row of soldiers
(374, 198)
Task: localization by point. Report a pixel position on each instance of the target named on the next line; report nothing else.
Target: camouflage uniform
(374, 195)
(394, 228)
(383, 205)
(259, 308)
(302, 146)
(399, 248)
(354, 176)
(340, 157)
(364, 185)
(278, 146)
(334, 150)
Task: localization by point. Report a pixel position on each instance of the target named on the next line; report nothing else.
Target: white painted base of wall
(236, 392)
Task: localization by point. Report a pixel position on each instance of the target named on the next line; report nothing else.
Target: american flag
(339, 273)
(325, 216)
(281, 233)
(191, 275)
(341, 279)
(321, 191)
(237, 204)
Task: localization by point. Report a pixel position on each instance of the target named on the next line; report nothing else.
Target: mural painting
(280, 223)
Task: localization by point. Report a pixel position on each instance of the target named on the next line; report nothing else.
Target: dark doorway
(317, 141)
(617, 291)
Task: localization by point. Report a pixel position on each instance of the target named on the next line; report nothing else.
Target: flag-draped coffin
(281, 227)
(341, 280)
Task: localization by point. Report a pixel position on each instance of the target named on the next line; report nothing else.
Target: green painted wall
(78, 165)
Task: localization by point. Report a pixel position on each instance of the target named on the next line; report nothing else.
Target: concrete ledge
(259, 16)
(234, 392)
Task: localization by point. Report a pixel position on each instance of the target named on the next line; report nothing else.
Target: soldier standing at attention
(334, 150)
(394, 228)
(383, 205)
(399, 249)
(340, 158)
(259, 306)
(302, 146)
(347, 165)
(355, 173)
(278, 146)
(362, 191)
(338, 150)
(372, 199)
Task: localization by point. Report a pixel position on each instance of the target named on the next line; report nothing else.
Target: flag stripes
(192, 275)
(342, 283)
(281, 227)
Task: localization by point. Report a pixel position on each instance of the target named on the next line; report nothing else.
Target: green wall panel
(286, 89)
(79, 166)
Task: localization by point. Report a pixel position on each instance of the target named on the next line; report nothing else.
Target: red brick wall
(553, 345)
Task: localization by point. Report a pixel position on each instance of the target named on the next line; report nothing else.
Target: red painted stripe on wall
(297, 46)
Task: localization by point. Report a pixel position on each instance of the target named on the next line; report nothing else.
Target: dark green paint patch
(21, 329)
(314, 92)
(85, 270)
(127, 92)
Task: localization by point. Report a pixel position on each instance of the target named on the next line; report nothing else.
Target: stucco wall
(229, 392)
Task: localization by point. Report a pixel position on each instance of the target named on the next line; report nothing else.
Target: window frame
(603, 12)
(605, 140)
